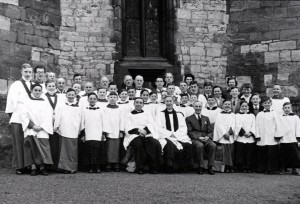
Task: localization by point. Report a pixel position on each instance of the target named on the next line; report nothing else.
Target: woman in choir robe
(113, 127)
(18, 92)
(224, 134)
(269, 129)
(288, 143)
(245, 142)
(255, 104)
(37, 123)
(54, 100)
(95, 149)
(211, 110)
(67, 125)
(278, 99)
(176, 144)
(142, 137)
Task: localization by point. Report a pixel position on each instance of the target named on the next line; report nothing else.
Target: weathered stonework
(201, 43)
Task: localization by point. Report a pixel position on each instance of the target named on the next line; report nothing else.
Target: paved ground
(161, 188)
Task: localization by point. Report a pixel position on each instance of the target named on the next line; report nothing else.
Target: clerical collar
(289, 114)
(93, 108)
(170, 111)
(212, 108)
(136, 112)
(277, 97)
(112, 106)
(26, 80)
(51, 94)
(183, 105)
(36, 99)
(226, 112)
(59, 91)
(265, 110)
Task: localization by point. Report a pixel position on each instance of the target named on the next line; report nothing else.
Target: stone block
(197, 51)
(285, 55)
(283, 78)
(214, 52)
(283, 45)
(295, 55)
(243, 79)
(35, 55)
(21, 37)
(294, 11)
(290, 34)
(193, 6)
(3, 86)
(259, 48)
(268, 79)
(271, 35)
(271, 57)
(54, 43)
(13, 2)
(245, 49)
(13, 11)
(195, 68)
(8, 36)
(199, 15)
(5, 23)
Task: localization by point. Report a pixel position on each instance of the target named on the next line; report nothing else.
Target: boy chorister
(37, 124)
(67, 125)
(77, 88)
(18, 92)
(102, 97)
(235, 101)
(245, 142)
(211, 110)
(184, 106)
(153, 97)
(224, 134)
(269, 129)
(148, 107)
(95, 150)
(288, 143)
(113, 127)
(255, 104)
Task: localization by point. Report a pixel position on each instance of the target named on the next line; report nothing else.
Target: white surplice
(211, 114)
(113, 122)
(224, 121)
(92, 123)
(247, 122)
(293, 124)
(277, 105)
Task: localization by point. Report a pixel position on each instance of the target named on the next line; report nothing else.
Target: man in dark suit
(201, 134)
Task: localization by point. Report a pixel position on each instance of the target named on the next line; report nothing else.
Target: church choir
(165, 129)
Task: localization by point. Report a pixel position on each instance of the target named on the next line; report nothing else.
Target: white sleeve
(12, 98)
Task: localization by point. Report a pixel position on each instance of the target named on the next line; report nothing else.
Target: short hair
(49, 82)
(35, 85)
(235, 87)
(208, 83)
(152, 92)
(112, 83)
(168, 96)
(122, 90)
(144, 90)
(247, 86)
(265, 98)
(193, 95)
(232, 78)
(168, 73)
(243, 101)
(170, 84)
(255, 94)
(184, 94)
(70, 89)
(136, 98)
(76, 75)
(211, 96)
(286, 103)
(101, 87)
(25, 66)
(75, 83)
(163, 91)
(138, 76)
(159, 77)
(113, 93)
(215, 87)
(130, 87)
(182, 82)
(225, 100)
(193, 83)
(189, 75)
(91, 94)
(39, 67)
(276, 84)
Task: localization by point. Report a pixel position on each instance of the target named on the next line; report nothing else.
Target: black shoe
(200, 171)
(44, 172)
(210, 171)
(19, 172)
(295, 173)
(91, 171)
(98, 171)
(33, 172)
(140, 172)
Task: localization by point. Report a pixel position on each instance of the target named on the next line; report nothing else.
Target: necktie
(266, 111)
(199, 119)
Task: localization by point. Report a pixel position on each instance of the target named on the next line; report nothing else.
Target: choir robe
(102, 103)
(211, 113)
(186, 109)
(138, 91)
(178, 150)
(18, 92)
(54, 101)
(255, 109)
(151, 109)
(147, 147)
(245, 147)
(201, 98)
(269, 125)
(36, 144)
(277, 104)
(225, 122)
(68, 122)
(113, 124)
(289, 145)
(95, 145)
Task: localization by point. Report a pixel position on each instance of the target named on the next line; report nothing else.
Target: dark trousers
(175, 158)
(54, 146)
(95, 153)
(202, 149)
(18, 142)
(268, 158)
(288, 155)
(244, 155)
(146, 149)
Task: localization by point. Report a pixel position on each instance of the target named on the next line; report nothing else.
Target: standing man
(61, 85)
(169, 78)
(201, 134)
(194, 89)
(104, 82)
(18, 93)
(139, 81)
(177, 146)
(39, 73)
(77, 78)
(128, 82)
(159, 82)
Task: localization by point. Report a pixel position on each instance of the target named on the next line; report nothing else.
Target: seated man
(200, 132)
(172, 129)
(141, 135)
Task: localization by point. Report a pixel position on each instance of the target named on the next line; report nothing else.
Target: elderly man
(104, 82)
(139, 81)
(18, 93)
(200, 132)
(61, 84)
(142, 136)
(128, 82)
(172, 129)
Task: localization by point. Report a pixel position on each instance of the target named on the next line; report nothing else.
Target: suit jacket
(194, 129)
(236, 109)
(251, 108)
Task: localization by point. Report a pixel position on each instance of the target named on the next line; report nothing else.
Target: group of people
(164, 129)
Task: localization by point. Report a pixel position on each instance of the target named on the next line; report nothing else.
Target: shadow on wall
(5, 142)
